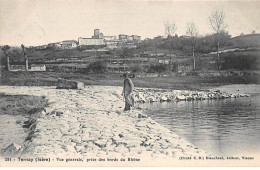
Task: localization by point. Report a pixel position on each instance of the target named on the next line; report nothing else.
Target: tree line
(199, 44)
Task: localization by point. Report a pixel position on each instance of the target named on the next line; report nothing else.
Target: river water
(226, 127)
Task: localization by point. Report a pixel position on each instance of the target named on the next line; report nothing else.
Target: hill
(245, 41)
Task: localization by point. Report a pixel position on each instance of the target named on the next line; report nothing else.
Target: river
(226, 127)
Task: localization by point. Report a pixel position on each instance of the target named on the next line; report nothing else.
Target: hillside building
(123, 37)
(68, 44)
(90, 41)
(97, 34)
(109, 38)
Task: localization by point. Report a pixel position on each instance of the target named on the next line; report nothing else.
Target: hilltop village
(161, 56)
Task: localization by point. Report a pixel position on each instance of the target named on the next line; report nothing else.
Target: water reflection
(221, 127)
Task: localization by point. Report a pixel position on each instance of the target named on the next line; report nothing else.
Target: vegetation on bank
(22, 104)
(179, 82)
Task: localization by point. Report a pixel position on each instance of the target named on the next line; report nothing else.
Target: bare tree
(169, 32)
(192, 32)
(5, 49)
(170, 29)
(25, 57)
(217, 23)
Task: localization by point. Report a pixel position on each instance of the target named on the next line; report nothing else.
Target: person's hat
(125, 75)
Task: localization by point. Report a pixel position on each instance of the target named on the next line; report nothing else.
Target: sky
(38, 22)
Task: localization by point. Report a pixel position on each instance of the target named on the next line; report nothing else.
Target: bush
(136, 68)
(240, 61)
(158, 68)
(97, 67)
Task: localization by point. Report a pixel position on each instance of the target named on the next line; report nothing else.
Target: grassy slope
(21, 104)
(244, 41)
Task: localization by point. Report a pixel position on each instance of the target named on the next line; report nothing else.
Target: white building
(109, 38)
(68, 44)
(39, 67)
(91, 41)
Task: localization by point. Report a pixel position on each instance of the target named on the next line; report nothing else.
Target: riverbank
(239, 88)
(18, 116)
(91, 123)
(148, 80)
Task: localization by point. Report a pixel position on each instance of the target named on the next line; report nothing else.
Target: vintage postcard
(129, 83)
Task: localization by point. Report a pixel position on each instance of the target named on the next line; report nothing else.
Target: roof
(92, 38)
(69, 42)
(37, 65)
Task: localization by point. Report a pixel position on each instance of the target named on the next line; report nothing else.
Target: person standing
(128, 89)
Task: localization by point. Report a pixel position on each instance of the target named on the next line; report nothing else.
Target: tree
(169, 32)
(192, 32)
(25, 57)
(170, 29)
(217, 23)
(97, 67)
(5, 49)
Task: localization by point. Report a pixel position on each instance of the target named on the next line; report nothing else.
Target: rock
(181, 97)
(111, 144)
(12, 150)
(58, 113)
(29, 123)
(76, 139)
(151, 99)
(233, 96)
(169, 100)
(241, 95)
(69, 84)
(121, 149)
(141, 115)
(138, 108)
(18, 122)
(42, 113)
(140, 124)
(79, 148)
(163, 98)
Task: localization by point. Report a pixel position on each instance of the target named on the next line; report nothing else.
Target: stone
(141, 115)
(12, 150)
(151, 99)
(163, 98)
(42, 113)
(121, 149)
(181, 97)
(69, 84)
(79, 148)
(76, 139)
(58, 113)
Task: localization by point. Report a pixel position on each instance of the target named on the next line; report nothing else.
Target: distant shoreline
(173, 82)
(239, 88)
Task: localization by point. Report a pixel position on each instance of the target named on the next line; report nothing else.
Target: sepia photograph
(129, 83)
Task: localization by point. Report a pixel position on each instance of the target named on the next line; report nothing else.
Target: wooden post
(218, 55)
(26, 63)
(8, 64)
(194, 61)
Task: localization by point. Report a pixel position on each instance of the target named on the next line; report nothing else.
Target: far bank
(163, 81)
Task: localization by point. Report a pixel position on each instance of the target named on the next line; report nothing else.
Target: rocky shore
(162, 95)
(91, 122)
